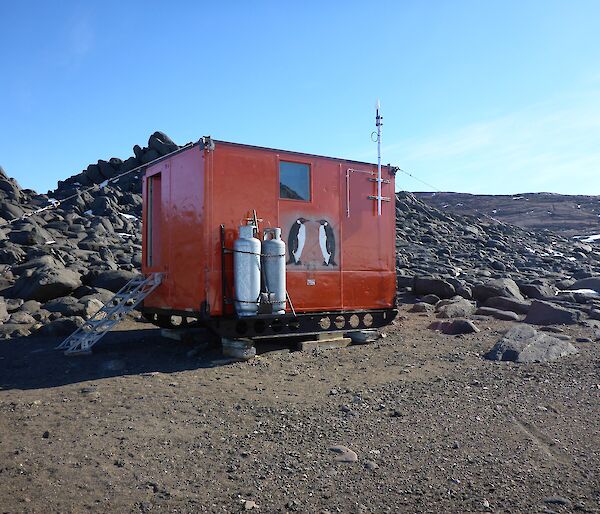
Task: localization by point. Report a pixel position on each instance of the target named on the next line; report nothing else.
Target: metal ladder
(128, 298)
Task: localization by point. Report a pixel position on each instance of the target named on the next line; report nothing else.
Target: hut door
(153, 220)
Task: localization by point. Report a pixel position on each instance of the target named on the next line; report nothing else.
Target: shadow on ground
(33, 363)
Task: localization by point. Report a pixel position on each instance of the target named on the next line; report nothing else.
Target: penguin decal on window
(327, 243)
(296, 241)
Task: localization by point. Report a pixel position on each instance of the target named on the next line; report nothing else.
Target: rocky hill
(63, 254)
(568, 215)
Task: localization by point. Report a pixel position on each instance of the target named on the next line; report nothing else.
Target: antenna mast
(378, 124)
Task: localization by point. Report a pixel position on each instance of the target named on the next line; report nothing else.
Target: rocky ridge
(58, 266)
(567, 215)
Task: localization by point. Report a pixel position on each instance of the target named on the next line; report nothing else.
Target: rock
(89, 307)
(13, 304)
(431, 299)
(70, 306)
(28, 237)
(67, 306)
(436, 286)
(31, 306)
(344, 454)
(149, 155)
(546, 313)
(455, 327)
(113, 280)
(44, 261)
(557, 500)
(11, 253)
(508, 304)
(586, 283)
(21, 318)
(45, 284)
(10, 330)
(62, 327)
(422, 307)
(162, 143)
(456, 308)
(504, 287)
(498, 314)
(523, 343)
(539, 290)
(4, 315)
(103, 206)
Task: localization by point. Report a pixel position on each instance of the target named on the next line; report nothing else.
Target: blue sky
(477, 96)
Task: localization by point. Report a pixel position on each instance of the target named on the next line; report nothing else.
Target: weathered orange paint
(204, 188)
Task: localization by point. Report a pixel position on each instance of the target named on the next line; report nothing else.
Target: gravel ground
(150, 425)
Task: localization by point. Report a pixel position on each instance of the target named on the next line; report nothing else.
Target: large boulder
(113, 280)
(45, 284)
(61, 327)
(546, 313)
(538, 290)
(3, 310)
(455, 308)
(162, 143)
(586, 283)
(11, 253)
(523, 343)
(504, 287)
(30, 235)
(436, 286)
(508, 304)
(455, 327)
(67, 306)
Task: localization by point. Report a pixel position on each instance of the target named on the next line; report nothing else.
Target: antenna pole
(378, 124)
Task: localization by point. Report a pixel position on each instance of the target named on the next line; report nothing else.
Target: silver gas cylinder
(246, 271)
(273, 250)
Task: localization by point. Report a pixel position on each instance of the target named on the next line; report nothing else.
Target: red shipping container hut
(195, 201)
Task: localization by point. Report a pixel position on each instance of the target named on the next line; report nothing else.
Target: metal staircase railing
(128, 298)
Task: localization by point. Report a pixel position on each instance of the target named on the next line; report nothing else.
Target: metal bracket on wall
(207, 143)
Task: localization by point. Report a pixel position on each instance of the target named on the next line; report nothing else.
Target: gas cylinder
(273, 250)
(246, 272)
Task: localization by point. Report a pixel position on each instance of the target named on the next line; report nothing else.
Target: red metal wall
(222, 186)
(180, 228)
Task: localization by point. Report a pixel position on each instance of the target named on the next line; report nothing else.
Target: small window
(294, 181)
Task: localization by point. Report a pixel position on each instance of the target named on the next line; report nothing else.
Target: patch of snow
(88, 213)
(124, 234)
(51, 242)
(494, 211)
(587, 292)
(518, 197)
(459, 205)
(588, 239)
(128, 216)
(103, 184)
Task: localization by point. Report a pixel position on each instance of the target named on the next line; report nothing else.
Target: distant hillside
(568, 215)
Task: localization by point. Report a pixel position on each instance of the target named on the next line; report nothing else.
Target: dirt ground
(146, 424)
